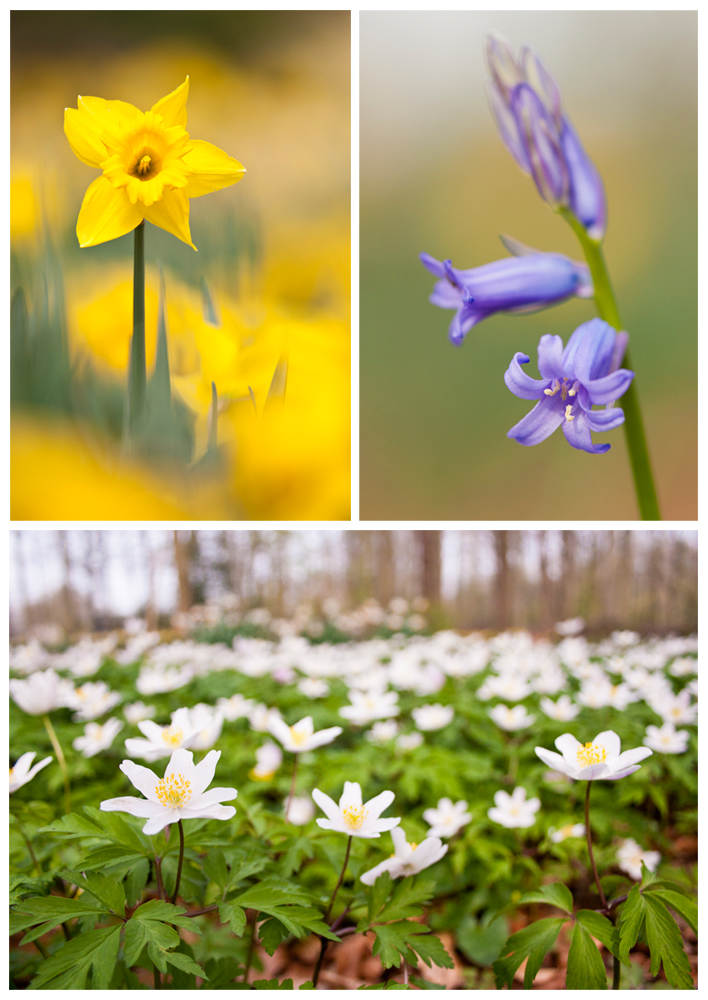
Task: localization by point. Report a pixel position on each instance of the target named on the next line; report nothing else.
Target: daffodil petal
(210, 169)
(171, 213)
(106, 214)
(173, 108)
(83, 139)
(110, 118)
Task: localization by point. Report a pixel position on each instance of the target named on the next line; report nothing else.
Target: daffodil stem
(592, 856)
(633, 424)
(62, 762)
(292, 789)
(323, 945)
(181, 860)
(137, 379)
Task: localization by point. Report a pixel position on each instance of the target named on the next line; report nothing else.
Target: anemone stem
(292, 789)
(589, 838)
(181, 860)
(62, 762)
(323, 946)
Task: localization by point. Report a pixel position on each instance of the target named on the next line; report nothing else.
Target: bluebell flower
(526, 103)
(587, 372)
(528, 281)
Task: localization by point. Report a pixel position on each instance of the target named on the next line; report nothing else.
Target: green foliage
(480, 943)
(532, 942)
(557, 894)
(94, 952)
(397, 937)
(645, 911)
(586, 970)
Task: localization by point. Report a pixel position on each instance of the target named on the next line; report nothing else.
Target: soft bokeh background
(272, 88)
(435, 177)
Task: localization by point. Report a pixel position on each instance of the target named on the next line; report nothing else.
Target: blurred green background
(436, 178)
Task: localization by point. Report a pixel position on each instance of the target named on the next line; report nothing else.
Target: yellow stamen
(173, 791)
(297, 737)
(172, 736)
(568, 414)
(554, 390)
(354, 816)
(144, 166)
(413, 846)
(591, 753)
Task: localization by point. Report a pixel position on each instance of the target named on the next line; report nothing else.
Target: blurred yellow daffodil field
(149, 381)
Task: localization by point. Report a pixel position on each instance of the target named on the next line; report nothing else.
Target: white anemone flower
(302, 736)
(514, 810)
(686, 666)
(97, 738)
(562, 710)
(630, 857)
(300, 811)
(23, 771)
(367, 706)
(430, 717)
(162, 740)
(206, 723)
(666, 739)
(382, 732)
(313, 687)
(235, 707)
(409, 859)
(674, 708)
(138, 711)
(511, 719)
(353, 817)
(260, 715)
(447, 819)
(600, 759)
(409, 741)
(40, 693)
(569, 830)
(572, 626)
(181, 794)
(92, 700)
(269, 757)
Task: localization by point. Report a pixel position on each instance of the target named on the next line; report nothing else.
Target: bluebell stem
(526, 103)
(528, 281)
(572, 380)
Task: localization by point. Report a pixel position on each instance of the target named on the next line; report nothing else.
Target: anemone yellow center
(566, 831)
(144, 166)
(12, 771)
(354, 816)
(591, 753)
(173, 791)
(413, 846)
(297, 736)
(172, 736)
(514, 810)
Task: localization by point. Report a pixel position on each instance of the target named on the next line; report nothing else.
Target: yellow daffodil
(151, 167)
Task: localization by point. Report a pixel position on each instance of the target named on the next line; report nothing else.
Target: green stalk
(633, 424)
(323, 945)
(292, 789)
(61, 760)
(615, 960)
(181, 859)
(137, 378)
